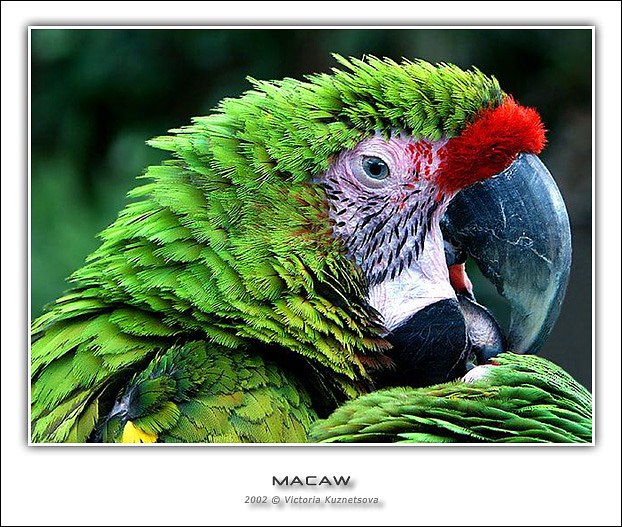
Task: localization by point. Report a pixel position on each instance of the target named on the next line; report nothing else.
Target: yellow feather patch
(133, 434)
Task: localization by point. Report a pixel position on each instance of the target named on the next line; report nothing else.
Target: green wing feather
(524, 398)
(199, 393)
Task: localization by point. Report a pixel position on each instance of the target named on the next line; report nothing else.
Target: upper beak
(515, 226)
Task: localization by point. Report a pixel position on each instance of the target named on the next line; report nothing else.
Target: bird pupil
(375, 168)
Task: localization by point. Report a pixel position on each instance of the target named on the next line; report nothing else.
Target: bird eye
(375, 168)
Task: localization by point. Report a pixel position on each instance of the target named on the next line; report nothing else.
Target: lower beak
(515, 226)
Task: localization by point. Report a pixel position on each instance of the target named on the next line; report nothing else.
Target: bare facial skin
(386, 205)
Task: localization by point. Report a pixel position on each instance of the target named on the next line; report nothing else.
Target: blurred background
(98, 95)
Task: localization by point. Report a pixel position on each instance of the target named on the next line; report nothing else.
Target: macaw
(303, 246)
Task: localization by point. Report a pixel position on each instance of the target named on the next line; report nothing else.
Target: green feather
(503, 406)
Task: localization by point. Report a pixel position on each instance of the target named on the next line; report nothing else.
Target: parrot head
(389, 196)
(375, 183)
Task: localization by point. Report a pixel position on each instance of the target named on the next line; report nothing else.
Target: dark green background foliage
(97, 95)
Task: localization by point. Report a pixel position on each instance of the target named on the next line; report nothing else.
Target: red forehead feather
(490, 144)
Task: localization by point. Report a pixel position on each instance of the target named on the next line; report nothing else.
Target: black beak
(515, 226)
